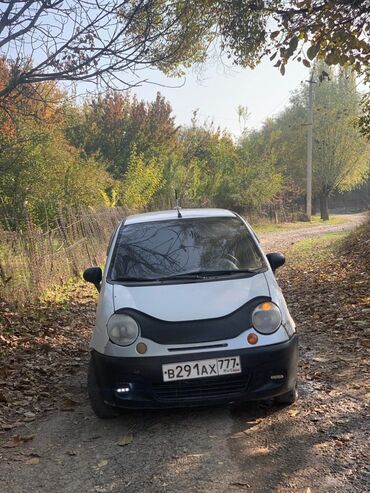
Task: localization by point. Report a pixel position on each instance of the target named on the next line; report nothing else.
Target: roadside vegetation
(115, 150)
(64, 167)
(34, 261)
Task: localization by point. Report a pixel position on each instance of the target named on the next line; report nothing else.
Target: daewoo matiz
(189, 314)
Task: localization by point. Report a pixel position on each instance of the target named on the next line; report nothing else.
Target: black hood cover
(195, 331)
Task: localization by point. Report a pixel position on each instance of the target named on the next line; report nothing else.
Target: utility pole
(311, 82)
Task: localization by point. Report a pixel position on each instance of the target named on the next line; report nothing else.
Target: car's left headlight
(266, 317)
(122, 329)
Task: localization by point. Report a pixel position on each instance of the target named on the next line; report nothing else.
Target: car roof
(172, 214)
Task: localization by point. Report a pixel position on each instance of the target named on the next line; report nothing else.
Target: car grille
(187, 390)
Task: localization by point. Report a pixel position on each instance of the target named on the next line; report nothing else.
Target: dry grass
(33, 260)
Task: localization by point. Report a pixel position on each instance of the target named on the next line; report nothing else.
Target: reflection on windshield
(148, 251)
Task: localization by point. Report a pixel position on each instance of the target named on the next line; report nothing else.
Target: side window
(111, 239)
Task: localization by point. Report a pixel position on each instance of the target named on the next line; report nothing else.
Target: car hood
(190, 301)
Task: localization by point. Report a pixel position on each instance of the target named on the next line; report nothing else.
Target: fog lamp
(123, 390)
(277, 377)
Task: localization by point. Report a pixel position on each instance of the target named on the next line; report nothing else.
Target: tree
(141, 181)
(91, 41)
(106, 40)
(341, 156)
(334, 31)
(40, 101)
(40, 174)
(243, 115)
(208, 164)
(40, 171)
(248, 30)
(113, 124)
(212, 170)
(260, 180)
(364, 119)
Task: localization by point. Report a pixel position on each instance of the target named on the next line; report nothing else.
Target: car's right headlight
(266, 318)
(122, 329)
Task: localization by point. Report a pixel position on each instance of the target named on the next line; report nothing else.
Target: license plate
(201, 368)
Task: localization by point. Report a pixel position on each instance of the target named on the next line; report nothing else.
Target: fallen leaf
(32, 454)
(11, 443)
(293, 412)
(125, 440)
(33, 461)
(69, 404)
(17, 440)
(27, 438)
(102, 463)
(320, 359)
(241, 483)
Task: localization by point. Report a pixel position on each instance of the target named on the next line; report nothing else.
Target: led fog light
(277, 377)
(123, 390)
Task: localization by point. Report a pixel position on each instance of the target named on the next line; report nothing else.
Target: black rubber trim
(193, 331)
(145, 374)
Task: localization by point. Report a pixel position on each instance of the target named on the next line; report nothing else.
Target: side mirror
(276, 260)
(93, 275)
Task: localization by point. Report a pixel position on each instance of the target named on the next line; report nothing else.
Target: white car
(189, 314)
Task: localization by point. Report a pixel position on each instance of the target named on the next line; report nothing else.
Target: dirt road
(283, 240)
(317, 445)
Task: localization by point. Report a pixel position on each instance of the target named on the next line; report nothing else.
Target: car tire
(100, 408)
(287, 398)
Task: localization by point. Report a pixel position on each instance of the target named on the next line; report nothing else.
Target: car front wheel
(100, 408)
(287, 398)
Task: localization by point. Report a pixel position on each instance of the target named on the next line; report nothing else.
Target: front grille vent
(197, 389)
(196, 348)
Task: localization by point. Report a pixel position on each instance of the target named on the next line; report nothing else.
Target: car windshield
(184, 247)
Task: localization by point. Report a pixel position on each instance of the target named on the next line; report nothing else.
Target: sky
(218, 91)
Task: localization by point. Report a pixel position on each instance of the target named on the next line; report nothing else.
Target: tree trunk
(314, 205)
(324, 206)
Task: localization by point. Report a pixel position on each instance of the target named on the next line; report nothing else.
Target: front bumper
(143, 375)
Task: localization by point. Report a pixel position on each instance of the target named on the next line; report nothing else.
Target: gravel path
(255, 447)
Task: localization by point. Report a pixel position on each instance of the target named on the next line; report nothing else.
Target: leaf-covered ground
(328, 290)
(50, 439)
(41, 347)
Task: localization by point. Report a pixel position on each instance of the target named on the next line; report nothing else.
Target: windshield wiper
(197, 274)
(201, 274)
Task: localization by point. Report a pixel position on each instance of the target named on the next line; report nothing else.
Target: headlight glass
(122, 329)
(266, 317)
